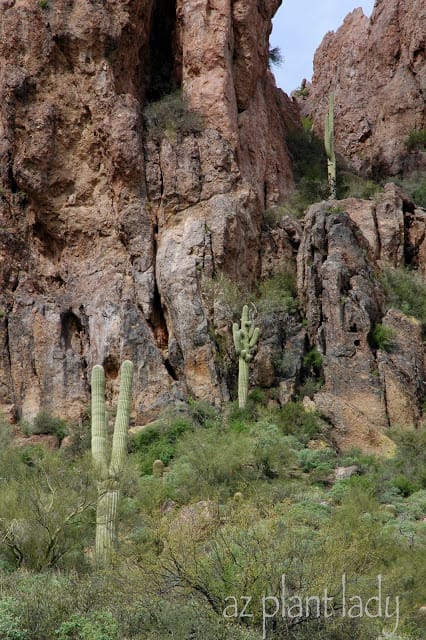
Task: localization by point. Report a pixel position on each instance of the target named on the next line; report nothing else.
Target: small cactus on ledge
(329, 146)
(245, 339)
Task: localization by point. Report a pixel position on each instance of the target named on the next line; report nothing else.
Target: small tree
(108, 475)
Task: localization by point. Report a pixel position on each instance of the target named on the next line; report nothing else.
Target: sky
(298, 28)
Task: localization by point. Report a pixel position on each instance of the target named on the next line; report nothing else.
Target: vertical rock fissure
(7, 360)
(377, 230)
(411, 250)
(164, 74)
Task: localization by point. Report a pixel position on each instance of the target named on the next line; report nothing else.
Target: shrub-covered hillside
(253, 507)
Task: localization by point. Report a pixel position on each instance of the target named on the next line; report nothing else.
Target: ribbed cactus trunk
(108, 475)
(243, 382)
(329, 146)
(245, 339)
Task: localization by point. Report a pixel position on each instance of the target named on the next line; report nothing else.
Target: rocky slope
(107, 233)
(377, 70)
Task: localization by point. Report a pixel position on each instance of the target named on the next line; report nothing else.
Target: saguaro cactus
(108, 475)
(245, 339)
(329, 146)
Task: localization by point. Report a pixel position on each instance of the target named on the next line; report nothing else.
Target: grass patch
(415, 187)
(382, 337)
(405, 290)
(416, 139)
(171, 115)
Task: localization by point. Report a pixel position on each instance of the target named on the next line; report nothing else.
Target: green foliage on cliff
(382, 337)
(405, 289)
(416, 139)
(170, 116)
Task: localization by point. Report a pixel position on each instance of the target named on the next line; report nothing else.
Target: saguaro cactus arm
(99, 431)
(119, 441)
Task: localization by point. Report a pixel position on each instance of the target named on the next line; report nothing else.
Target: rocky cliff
(377, 69)
(108, 231)
(142, 145)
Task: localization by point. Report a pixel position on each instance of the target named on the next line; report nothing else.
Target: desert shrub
(171, 115)
(271, 455)
(309, 168)
(310, 459)
(404, 485)
(313, 360)
(272, 215)
(98, 626)
(229, 294)
(210, 463)
(275, 57)
(302, 91)
(353, 185)
(45, 423)
(46, 509)
(278, 293)
(294, 420)
(382, 337)
(415, 186)
(10, 621)
(203, 414)
(405, 290)
(309, 387)
(410, 458)
(416, 139)
(159, 441)
(415, 505)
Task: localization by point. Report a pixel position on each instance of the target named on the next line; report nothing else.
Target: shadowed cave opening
(70, 327)
(164, 67)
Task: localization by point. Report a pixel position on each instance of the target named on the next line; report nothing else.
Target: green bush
(294, 420)
(353, 185)
(416, 139)
(171, 115)
(415, 187)
(309, 168)
(45, 423)
(405, 290)
(99, 626)
(313, 359)
(278, 293)
(310, 459)
(158, 442)
(45, 511)
(10, 621)
(382, 337)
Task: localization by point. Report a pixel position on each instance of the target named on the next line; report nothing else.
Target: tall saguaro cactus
(108, 473)
(245, 339)
(329, 146)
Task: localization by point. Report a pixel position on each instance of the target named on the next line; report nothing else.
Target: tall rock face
(108, 233)
(343, 249)
(377, 69)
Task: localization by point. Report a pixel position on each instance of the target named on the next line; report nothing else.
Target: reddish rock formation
(366, 390)
(107, 233)
(377, 70)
